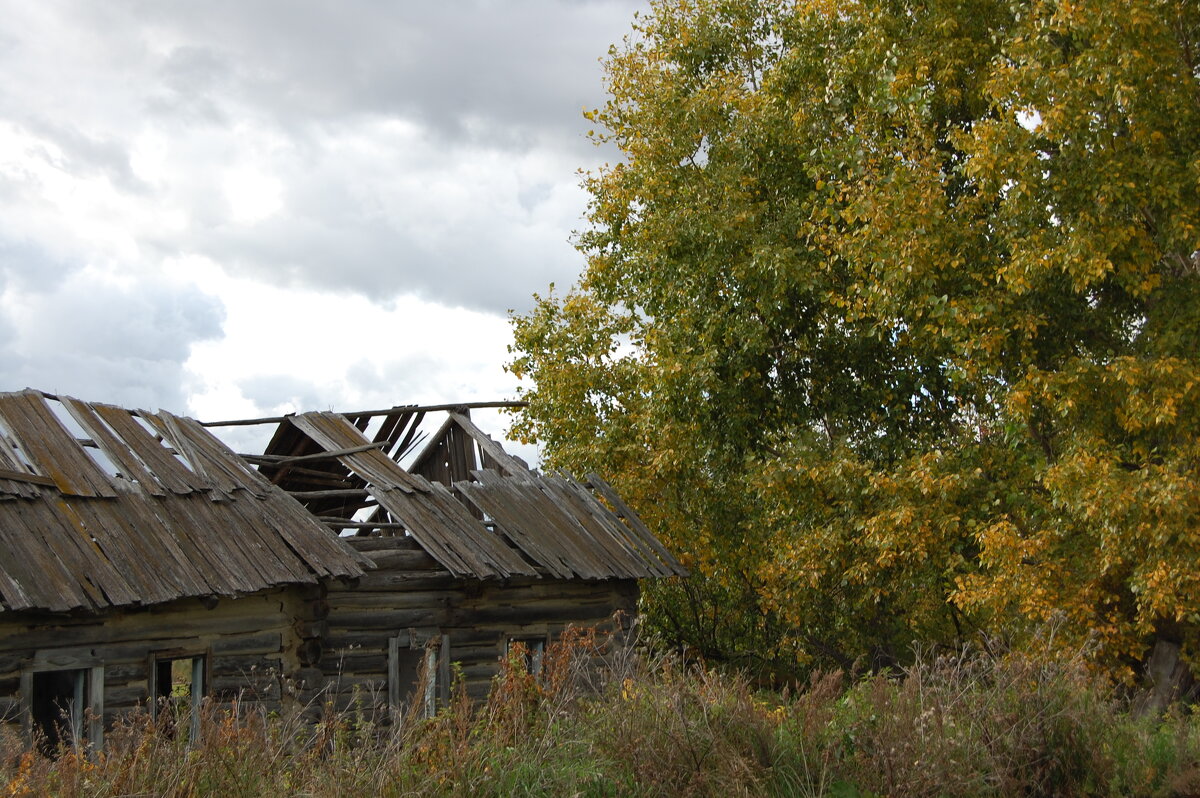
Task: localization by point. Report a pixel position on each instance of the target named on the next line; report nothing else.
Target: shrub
(602, 721)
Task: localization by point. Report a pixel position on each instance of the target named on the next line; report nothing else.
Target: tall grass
(603, 721)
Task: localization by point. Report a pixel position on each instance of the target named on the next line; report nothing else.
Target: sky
(237, 208)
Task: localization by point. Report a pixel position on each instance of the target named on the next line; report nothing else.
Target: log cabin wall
(472, 549)
(114, 523)
(253, 649)
(409, 598)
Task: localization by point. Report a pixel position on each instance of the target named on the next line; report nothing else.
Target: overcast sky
(235, 208)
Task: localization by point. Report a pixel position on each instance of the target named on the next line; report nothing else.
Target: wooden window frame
(435, 667)
(535, 647)
(89, 686)
(201, 672)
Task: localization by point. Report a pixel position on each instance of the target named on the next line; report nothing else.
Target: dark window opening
(418, 677)
(178, 691)
(57, 708)
(532, 651)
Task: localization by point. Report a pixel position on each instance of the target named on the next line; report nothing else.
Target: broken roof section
(140, 508)
(474, 508)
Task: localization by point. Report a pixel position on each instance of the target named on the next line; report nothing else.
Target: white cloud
(251, 194)
(95, 336)
(238, 207)
(291, 350)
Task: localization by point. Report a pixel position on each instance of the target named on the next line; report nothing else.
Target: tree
(890, 322)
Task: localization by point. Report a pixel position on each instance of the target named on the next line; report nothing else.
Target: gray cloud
(94, 339)
(487, 255)
(25, 267)
(416, 377)
(273, 391)
(364, 112)
(358, 148)
(410, 379)
(87, 155)
(529, 67)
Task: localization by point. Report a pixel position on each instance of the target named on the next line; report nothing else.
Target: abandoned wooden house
(143, 563)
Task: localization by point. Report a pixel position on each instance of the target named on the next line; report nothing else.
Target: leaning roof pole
(245, 422)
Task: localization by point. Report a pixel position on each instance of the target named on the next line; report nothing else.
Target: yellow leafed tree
(891, 322)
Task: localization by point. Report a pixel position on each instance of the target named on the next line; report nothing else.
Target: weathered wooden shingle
(435, 519)
(74, 536)
(499, 521)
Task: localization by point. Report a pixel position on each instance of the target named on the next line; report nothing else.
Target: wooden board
(334, 432)
(116, 451)
(76, 539)
(51, 447)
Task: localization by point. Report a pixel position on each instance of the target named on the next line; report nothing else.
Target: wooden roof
(140, 508)
(474, 508)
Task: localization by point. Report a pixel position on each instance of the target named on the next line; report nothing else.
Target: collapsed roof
(148, 507)
(473, 507)
(106, 507)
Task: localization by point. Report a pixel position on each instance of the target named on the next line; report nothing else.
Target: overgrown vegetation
(621, 723)
(891, 324)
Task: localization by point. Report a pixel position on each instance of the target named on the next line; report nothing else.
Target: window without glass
(532, 649)
(418, 674)
(65, 707)
(178, 689)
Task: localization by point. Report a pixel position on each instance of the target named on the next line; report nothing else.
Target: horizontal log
(226, 687)
(469, 655)
(15, 662)
(473, 636)
(62, 658)
(536, 591)
(589, 606)
(391, 411)
(393, 599)
(282, 459)
(388, 542)
(403, 560)
(481, 670)
(393, 580)
(371, 662)
(139, 651)
(386, 619)
(244, 614)
(328, 494)
(336, 521)
(251, 643)
(312, 476)
(125, 698)
(252, 666)
(530, 614)
(340, 641)
(121, 672)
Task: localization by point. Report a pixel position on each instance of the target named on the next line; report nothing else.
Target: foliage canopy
(891, 322)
